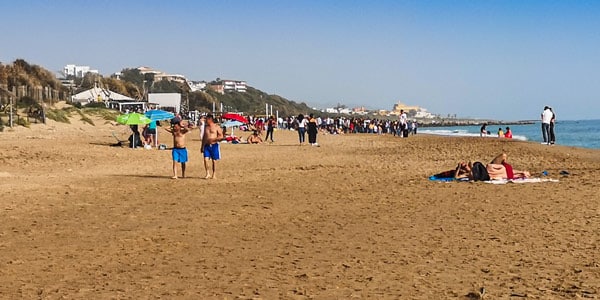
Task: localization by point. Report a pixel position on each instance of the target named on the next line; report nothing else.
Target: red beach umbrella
(235, 117)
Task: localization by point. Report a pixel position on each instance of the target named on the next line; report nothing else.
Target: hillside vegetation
(25, 78)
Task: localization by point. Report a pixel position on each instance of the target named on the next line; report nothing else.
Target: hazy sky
(488, 59)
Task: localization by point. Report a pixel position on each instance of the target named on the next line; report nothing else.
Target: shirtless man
(213, 134)
(254, 138)
(179, 152)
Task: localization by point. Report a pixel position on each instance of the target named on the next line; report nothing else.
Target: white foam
(462, 132)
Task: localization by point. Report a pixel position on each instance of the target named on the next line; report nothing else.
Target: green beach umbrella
(133, 119)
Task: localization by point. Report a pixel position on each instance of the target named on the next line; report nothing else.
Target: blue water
(584, 133)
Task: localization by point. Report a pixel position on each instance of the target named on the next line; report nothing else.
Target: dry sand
(354, 218)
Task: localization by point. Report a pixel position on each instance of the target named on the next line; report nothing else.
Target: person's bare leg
(500, 158)
(214, 169)
(182, 170)
(174, 170)
(206, 167)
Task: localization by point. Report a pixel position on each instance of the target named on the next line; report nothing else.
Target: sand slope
(354, 218)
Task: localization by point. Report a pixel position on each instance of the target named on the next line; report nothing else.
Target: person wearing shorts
(179, 153)
(213, 134)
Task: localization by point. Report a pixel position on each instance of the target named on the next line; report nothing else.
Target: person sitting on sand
(499, 168)
(508, 133)
(254, 138)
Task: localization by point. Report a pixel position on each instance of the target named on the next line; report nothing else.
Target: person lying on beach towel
(464, 172)
(499, 168)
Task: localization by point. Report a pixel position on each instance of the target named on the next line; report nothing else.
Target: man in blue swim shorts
(213, 134)
(179, 153)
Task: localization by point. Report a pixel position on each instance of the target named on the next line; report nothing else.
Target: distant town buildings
(158, 75)
(196, 86)
(226, 86)
(411, 110)
(77, 71)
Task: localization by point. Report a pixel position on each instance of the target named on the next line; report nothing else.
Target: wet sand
(354, 218)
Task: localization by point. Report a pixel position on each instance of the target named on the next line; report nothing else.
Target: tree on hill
(253, 102)
(27, 80)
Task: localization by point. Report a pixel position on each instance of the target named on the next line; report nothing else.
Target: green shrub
(96, 105)
(105, 113)
(58, 115)
(23, 122)
(85, 118)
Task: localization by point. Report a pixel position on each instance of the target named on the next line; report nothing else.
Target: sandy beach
(356, 218)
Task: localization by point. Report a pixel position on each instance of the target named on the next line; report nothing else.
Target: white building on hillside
(77, 71)
(196, 85)
(234, 86)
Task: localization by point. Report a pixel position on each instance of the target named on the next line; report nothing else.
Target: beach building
(159, 75)
(97, 94)
(166, 101)
(226, 86)
(196, 86)
(418, 111)
(77, 71)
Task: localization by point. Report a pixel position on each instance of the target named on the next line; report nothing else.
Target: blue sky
(486, 59)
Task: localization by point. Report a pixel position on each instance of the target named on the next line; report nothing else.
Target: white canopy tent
(97, 94)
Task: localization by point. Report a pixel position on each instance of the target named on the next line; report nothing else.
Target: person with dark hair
(483, 130)
(551, 129)
(254, 138)
(312, 130)
(271, 123)
(546, 119)
(213, 134)
(135, 139)
(302, 128)
(179, 152)
(508, 133)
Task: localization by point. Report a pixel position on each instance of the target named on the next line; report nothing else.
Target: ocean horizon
(576, 133)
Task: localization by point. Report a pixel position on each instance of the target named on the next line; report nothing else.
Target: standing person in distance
(483, 130)
(271, 123)
(179, 152)
(546, 119)
(403, 124)
(312, 130)
(302, 128)
(213, 134)
(552, 123)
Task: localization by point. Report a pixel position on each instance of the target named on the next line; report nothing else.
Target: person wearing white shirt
(546, 118)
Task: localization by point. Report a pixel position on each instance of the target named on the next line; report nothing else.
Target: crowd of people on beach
(211, 134)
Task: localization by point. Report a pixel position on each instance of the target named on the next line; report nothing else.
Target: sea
(582, 133)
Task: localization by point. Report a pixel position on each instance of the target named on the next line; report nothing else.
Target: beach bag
(479, 172)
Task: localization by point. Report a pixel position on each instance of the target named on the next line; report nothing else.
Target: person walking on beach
(302, 128)
(213, 134)
(271, 123)
(552, 123)
(483, 130)
(179, 152)
(546, 119)
(403, 118)
(312, 130)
